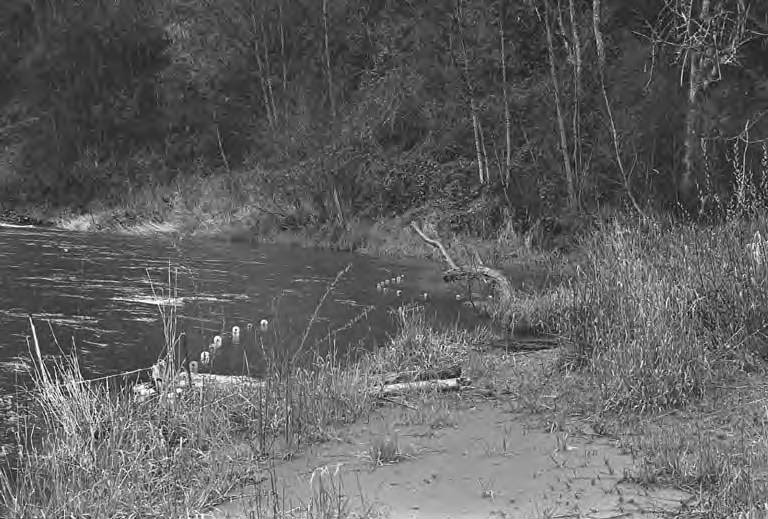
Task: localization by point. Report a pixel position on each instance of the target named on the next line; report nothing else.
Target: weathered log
(526, 344)
(468, 272)
(208, 379)
(183, 381)
(421, 375)
(451, 384)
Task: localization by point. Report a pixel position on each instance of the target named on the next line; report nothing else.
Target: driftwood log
(184, 380)
(444, 379)
(456, 272)
(422, 375)
(451, 384)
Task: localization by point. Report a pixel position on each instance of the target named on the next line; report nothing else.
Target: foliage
(385, 124)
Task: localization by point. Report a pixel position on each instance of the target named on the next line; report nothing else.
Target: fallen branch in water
(437, 244)
(468, 272)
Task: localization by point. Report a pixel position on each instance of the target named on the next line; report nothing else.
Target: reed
(97, 451)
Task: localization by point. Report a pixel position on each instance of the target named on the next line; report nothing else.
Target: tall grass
(662, 317)
(99, 452)
(658, 314)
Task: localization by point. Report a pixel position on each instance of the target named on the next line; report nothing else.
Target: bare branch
(437, 244)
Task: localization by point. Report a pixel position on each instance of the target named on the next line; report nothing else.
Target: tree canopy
(511, 108)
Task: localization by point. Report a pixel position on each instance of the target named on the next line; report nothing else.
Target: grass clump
(385, 448)
(659, 314)
(103, 454)
(658, 319)
(419, 347)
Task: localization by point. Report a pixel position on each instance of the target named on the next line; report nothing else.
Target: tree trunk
(692, 115)
(476, 128)
(600, 49)
(507, 122)
(328, 73)
(268, 69)
(262, 75)
(282, 47)
(570, 185)
(577, 91)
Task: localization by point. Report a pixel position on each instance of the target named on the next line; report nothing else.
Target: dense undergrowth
(671, 318)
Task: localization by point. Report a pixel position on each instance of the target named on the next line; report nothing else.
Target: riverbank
(247, 206)
(659, 356)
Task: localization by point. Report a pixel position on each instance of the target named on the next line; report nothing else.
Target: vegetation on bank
(660, 329)
(313, 117)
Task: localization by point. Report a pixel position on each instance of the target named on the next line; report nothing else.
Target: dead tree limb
(436, 244)
(469, 272)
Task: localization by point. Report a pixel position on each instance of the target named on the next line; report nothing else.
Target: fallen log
(208, 379)
(480, 272)
(451, 384)
(445, 379)
(525, 344)
(184, 380)
(421, 375)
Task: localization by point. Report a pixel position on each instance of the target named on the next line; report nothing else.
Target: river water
(98, 293)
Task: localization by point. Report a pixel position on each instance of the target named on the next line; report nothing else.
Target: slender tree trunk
(262, 77)
(692, 115)
(328, 73)
(476, 128)
(268, 70)
(478, 147)
(577, 91)
(485, 154)
(283, 60)
(600, 48)
(560, 120)
(507, 122)
(686, 183)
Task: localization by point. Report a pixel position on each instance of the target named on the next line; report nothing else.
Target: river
(98, 293)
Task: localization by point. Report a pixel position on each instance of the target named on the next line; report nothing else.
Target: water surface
(98, 293)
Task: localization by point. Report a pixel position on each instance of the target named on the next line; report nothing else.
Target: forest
(317, 113)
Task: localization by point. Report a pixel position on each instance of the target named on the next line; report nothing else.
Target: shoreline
(386, 237)
(678, 389)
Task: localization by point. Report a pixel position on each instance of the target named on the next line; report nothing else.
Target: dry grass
(96, 451)
(658, 315)
(657, 319)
